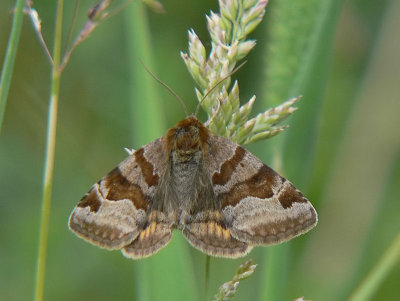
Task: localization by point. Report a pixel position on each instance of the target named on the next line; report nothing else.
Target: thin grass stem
(49, 158)
(371, 283)
(207, 277)
(8, 66)
(73, 23)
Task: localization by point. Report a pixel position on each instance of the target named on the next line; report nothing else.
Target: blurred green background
(342, 148)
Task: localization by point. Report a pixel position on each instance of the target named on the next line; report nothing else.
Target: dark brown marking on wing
(91, 199)
(121, 188)
(147, 168)
(228, 167)
(290, 195)
(259, 186)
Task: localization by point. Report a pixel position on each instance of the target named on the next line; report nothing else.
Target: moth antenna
(168, 88)
(216, 85)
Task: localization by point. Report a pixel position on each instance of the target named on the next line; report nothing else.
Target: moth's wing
(208, 233)
(154, 236)
(205, 227)
(259, 206)
(114, 213)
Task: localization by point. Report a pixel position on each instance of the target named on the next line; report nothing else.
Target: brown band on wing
(91, 199)
(228, 167)
(146, 167)
(260, 186)
(120, 188)
(289, 195)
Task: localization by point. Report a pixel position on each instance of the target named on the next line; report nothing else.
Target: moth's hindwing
(258, 205)
(114, 213)
(208, 233)
(155, 235)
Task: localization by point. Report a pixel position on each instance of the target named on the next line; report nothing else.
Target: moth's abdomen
(183, 174)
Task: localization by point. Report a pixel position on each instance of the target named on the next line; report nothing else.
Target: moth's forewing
(259, 205)
(114, 213)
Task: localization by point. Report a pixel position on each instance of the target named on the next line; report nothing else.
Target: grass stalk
(49, 157)
(207, 277)
(370, 284)
(8, 66)
(297, 34)
(275, 273)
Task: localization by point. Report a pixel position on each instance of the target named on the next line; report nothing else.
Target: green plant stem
(207, 277)
(275, 272)
(8, 66)
(49, 157)
(368, 287)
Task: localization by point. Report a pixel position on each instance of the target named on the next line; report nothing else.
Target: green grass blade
(49, 158)
(342, 92)
(381, 231)
(8, 66)
(360, 173)
(275, 272)
(168, 275)
(297, 60)
(148, 118)
(303, 50)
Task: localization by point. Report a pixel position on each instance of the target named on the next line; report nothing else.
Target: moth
(223, 198)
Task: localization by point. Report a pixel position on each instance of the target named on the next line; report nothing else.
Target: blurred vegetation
(342, 148)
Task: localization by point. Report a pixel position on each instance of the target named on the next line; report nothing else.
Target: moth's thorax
(187, 137)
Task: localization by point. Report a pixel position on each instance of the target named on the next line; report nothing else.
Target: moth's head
(189, 135)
